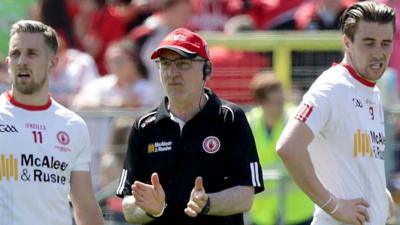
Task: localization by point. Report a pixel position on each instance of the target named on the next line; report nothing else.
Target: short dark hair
(31, 26)
(263, 84)
(368, 11)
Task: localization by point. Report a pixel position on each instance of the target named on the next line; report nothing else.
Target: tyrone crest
(211, 144)
(63, 138)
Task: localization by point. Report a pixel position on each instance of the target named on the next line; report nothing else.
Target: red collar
(356, 76)
(27, 107)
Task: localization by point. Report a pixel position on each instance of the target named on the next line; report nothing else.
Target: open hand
(151, 198)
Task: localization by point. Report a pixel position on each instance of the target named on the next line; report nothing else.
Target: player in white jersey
(334, 147)
(45, 148)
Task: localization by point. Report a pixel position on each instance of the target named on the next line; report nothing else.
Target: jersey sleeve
(245, 165)
(315, 109)
(134, 164)
(82, 162)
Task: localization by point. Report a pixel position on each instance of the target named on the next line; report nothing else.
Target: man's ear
(53, 63)
(7, 62)
(346, 41)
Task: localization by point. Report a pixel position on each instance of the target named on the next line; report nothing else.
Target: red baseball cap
(184, 42)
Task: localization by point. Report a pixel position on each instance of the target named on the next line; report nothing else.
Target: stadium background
(298, 57)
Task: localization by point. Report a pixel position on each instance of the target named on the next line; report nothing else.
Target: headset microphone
(207, 69)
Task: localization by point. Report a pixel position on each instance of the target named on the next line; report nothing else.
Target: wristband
(334, 209)
(158, 215)
(327, 202)
(206, 207)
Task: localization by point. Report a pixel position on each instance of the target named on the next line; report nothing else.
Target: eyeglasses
(180, 63)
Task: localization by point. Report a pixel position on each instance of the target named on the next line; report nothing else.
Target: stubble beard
(29, 87)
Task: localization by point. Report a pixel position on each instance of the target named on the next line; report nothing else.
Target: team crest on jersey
(211, 144)
(63, 138)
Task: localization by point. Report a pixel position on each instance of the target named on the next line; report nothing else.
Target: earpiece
(207, 69)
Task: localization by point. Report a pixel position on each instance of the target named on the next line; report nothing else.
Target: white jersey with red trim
(345, 114)
(39, 147)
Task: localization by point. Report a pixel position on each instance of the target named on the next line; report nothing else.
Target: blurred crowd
(96, 53)
(104, 57)
(90, 30)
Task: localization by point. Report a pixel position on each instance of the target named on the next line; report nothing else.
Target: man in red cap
(193, 159)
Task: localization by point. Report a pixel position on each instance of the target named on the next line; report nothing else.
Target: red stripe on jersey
(356, 76)
(304, 112)
(25, 106)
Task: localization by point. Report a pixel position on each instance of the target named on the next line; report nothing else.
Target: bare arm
(230, 201)
(292, 148)
(392, 209)
(86, 208)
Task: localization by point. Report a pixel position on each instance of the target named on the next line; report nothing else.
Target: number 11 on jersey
(37, 137)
